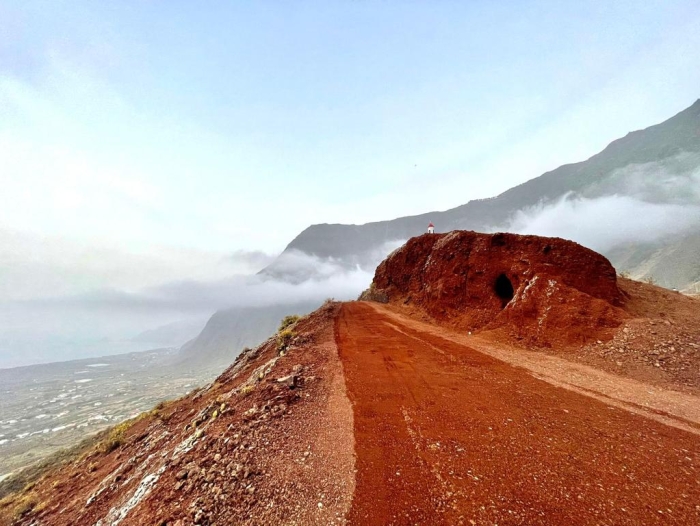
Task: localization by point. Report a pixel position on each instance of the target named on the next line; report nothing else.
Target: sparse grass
(288, 321)
(114, 437)
(27, 478)
(284, 338)
(23, 505)
(246, 390)
(17, 495)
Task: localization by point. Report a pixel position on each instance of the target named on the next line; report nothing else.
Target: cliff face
(544, 290)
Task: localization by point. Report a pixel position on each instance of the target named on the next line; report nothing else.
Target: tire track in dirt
(670, 407)
(448, 435)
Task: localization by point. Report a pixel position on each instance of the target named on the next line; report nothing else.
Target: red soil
(541, 291)
(248, 449)
(447, 435)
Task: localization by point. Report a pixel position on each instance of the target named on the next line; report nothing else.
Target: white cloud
(60, 300)
(36, 266)
(604, 222)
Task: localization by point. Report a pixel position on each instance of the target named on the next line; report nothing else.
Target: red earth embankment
(543, 291)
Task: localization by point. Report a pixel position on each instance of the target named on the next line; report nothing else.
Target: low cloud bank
(639, 203)
(65, 327)
(674, 180)
(605, 222)
(329, 279)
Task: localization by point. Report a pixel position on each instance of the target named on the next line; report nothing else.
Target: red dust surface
(447, 435)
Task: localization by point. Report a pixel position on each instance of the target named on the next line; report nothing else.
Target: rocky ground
(269, 442)
(658, 342)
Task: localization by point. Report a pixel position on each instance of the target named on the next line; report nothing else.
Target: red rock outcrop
(537, 289)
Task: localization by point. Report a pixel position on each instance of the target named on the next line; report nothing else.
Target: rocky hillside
(656, 165)
(229, 331)
(269, 442)
(367, 413)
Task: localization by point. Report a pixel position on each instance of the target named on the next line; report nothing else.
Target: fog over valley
(62, 305)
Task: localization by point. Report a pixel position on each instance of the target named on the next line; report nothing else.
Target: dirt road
(448, 435)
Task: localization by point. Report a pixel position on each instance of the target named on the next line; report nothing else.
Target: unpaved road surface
(448, 435)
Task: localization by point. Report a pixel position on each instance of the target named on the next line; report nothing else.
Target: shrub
(284, 338)
(246, 390)
(112, 442)
(115, 435)
(650, 280)
(288, 321)
(25, 504)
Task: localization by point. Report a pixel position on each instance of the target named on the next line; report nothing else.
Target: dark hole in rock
(503, 289)
(546, 249)
(498, 240)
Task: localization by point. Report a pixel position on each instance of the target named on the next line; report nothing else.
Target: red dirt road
(447, 435)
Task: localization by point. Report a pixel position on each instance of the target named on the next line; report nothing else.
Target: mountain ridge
(361, 245)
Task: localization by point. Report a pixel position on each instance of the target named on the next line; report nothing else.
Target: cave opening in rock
(503, 289)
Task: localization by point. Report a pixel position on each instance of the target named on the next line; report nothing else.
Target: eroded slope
(269, 442)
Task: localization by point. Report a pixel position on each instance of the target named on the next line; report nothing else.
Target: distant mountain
(638, 165)
(173, 334)
(674, 263)
(229, 331)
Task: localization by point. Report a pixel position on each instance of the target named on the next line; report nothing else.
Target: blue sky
(149, 149)
(234, 125)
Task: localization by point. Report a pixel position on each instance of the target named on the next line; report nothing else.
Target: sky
(149, 142)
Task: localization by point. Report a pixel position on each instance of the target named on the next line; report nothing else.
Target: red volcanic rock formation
(537, 289)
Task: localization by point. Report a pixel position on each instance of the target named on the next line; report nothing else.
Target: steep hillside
(229, 331)
(269, 442)
(173, 334)
(634, 165)
(672, 263)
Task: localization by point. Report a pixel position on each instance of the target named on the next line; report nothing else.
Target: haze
(155, 155)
